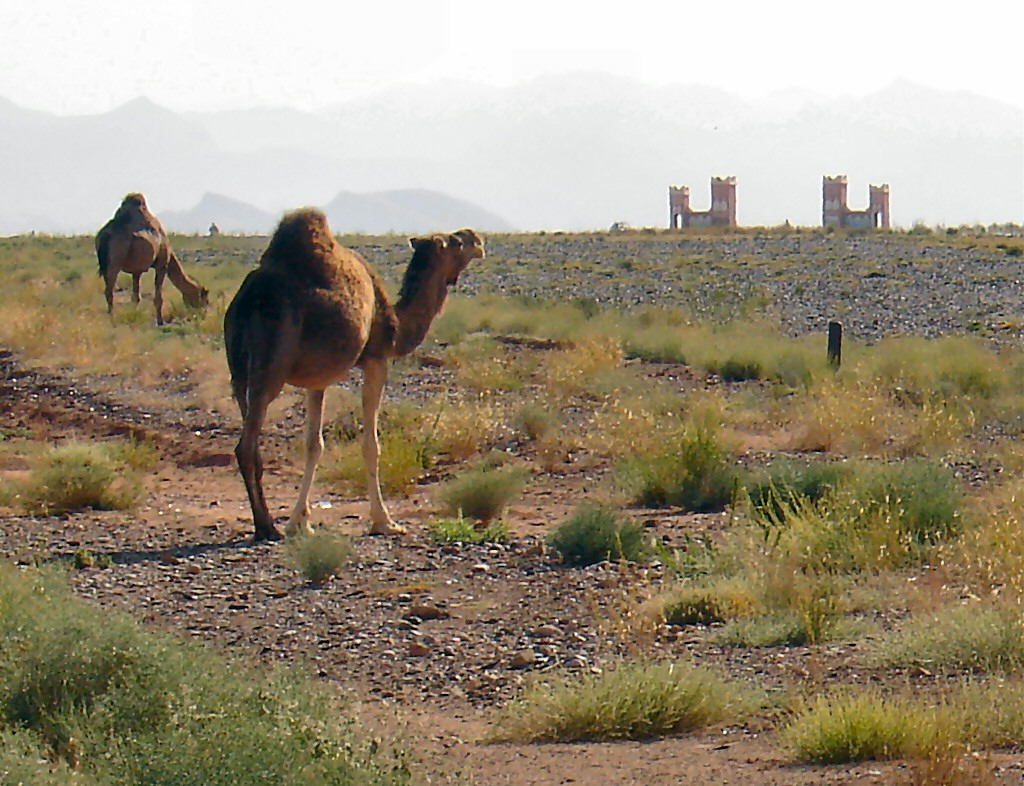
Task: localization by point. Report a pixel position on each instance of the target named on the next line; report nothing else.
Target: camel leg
(158, 297)
(109, 282)
(375, 375)
(299, 521)
(136, 279)
(250, 463)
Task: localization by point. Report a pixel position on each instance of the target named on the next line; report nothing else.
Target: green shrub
(925, 497)
(858, 726)
(460, 530)
(694, 475)
(634, 701)
(319, 555)
(964, 637)
(536, 421)
(773, 491)
(402, 462)
(594, 533)
(735, 369)
(707, 603)
(76, 477)
(128, 706)
(25, 762)
(862, 724)
(483, 493)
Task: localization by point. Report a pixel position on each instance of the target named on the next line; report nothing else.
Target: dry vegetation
(671, 397)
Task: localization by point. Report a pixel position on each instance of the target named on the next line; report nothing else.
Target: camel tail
(103, 254)
(238, 355)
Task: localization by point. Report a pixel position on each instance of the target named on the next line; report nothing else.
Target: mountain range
(576, 151)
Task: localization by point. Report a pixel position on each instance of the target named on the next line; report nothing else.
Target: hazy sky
(75, 57)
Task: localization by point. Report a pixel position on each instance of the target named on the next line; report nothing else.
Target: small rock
(547, 632)
(418, 650)
(522, 659)
(481, 567)
(425, 612)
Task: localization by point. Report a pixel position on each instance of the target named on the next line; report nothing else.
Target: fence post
(835, 344)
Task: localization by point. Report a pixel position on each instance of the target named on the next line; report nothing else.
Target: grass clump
(964, 637)
(634, 701)
(781, 484)
(926, 495)
(402, 462)
(319, 555)
(878, 517)
(121, 705)
(483, 493)
(461, 530)
(718, 600)
(693, 474)
(859, 725)
(594, 533)
(78, 476)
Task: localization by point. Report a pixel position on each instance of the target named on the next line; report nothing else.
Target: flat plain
(573, 359)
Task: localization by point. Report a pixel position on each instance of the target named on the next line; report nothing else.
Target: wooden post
(835, 344)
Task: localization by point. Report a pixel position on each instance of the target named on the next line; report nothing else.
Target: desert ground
(431, 640)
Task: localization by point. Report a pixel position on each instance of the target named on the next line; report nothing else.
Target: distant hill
(230, 215)
(415, 210)
(381, 213)
(577, 151)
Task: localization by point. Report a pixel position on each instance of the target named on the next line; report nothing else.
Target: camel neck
(415, 315)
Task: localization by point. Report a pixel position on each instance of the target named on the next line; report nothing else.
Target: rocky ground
(435, 638)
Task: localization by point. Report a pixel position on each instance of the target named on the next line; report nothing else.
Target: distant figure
(134, 241)
(214, 230)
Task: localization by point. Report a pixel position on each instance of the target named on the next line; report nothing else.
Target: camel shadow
(172, 555)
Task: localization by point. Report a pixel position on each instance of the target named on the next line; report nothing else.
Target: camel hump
(302, 242)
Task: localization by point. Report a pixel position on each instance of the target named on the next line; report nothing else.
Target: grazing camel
(134, 241)
(306, 316)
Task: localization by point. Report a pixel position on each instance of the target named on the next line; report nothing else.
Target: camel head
(452, 253)
(134, 200)
(202, 298)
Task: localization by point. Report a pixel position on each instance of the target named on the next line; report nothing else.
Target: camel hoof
(387, 528)
(270, 533)
(298, 530)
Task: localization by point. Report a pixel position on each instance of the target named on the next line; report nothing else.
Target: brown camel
(306, 316)
(134, 241)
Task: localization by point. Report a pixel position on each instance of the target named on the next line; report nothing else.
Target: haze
(69, 58)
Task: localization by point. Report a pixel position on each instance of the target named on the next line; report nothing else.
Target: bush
(858, 725)
(848, 727)
(736, 369)
(77, 477)
(319, 555)
(633, 701)
(774, 491)
(965, 637)
(594, 533)
(483, 493)
(460, 530)
(924, 496)
(126, 706)
(694, 475)
(709, 603)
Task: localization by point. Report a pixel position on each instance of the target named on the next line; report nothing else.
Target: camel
(306, 316)
(134, 241)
